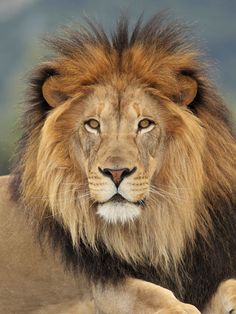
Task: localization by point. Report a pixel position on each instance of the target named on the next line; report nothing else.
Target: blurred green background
(24, 22)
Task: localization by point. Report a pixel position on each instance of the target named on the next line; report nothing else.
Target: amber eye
(145, 123)
(92, 125)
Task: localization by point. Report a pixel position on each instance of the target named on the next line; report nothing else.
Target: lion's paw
(228, 295)
(179, 308)
(230, 305)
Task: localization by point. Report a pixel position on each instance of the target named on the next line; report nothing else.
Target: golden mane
(199, 169)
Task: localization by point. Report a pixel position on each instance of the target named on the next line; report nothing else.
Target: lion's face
(121, 136)
(117, 141)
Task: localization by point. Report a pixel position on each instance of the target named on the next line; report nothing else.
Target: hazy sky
(9, 8)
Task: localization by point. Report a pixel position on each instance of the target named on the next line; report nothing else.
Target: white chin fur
(118, 212)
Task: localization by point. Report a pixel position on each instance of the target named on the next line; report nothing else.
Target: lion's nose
(117, 175)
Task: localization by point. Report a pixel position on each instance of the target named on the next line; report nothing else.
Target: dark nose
(117, 175)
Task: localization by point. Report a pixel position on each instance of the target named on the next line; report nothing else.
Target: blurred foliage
(24, 22)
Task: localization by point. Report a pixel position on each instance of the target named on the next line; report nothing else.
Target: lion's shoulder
(27, 272)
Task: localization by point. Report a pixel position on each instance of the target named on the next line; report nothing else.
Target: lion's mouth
(118, 198)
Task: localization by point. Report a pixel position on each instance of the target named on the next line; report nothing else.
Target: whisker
(92, 204)
(163, 194)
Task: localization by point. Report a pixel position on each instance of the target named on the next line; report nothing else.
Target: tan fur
(32, 280)
(139, 297)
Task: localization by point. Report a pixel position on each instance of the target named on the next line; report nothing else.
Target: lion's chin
(118, 212)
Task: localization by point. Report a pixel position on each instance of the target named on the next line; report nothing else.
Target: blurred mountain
(24, 22)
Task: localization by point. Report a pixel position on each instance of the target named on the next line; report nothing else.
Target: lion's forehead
(130, 102)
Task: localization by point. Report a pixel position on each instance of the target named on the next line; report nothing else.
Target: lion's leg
(224, 300)
(135, 296)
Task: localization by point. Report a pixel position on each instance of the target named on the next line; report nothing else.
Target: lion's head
(124, 142)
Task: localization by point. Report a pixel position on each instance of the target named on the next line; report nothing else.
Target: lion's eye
(145, 124)
(92, 125)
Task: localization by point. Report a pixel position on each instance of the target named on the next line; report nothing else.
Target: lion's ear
(52, 91)
(187, 89)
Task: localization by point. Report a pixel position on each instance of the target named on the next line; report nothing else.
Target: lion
(126, 170)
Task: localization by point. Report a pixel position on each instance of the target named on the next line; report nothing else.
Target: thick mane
(165, 248)
(157, 36)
